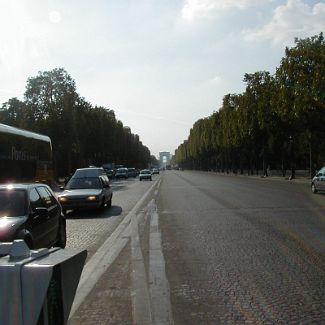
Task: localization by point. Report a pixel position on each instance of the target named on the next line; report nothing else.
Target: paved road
(202, 248)
(89, 229)
(242, 250)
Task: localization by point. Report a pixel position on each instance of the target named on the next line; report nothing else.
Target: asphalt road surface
(201, 248)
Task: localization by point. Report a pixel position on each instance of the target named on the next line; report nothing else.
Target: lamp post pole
(293, 174)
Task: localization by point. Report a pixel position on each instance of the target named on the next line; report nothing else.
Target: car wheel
(313, 188)
(150, 178)
(62, 236)
(140, 179)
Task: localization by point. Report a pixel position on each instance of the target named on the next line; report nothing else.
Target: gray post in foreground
(37, 286)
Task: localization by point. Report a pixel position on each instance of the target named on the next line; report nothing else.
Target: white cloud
(217, 80)
(295, 19)
(55, 17)
(194, 9)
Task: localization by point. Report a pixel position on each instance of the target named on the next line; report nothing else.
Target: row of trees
(81, 134)
(278, 122)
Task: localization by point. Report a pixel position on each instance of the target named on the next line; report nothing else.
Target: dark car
(132, 172)
(318, 182)
(87, 188)
(109, 173)
(31, 212)
(145, 174)
(122, 173)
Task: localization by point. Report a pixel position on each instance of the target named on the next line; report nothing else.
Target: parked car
(87, 188)
(31, 212)
(145, 174)
(122, 173)
(318, 182)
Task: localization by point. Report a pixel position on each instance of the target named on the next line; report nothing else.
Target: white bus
(25, 156)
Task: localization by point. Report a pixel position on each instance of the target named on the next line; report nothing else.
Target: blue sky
(160, 65)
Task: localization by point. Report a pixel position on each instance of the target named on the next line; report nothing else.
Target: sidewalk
(301, 176)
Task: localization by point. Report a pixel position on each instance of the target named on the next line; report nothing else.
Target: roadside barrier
(38, 286)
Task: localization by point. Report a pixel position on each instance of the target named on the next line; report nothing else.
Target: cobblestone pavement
(89, 229)
(242, 251)
(237, 251)
(110, 300)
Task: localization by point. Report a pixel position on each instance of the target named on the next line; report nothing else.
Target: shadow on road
(112, 211)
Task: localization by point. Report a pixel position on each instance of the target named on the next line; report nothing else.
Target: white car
(318, 182)
(88, 188)
(145, 174)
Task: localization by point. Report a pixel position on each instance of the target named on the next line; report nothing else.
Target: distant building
(164, 158)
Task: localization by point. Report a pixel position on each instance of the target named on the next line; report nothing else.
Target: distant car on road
(132, 172)
(122, 173)
(318, 182)
(145, 174)
(88, 188)
(155, 171)
(31, 212)
(109, 173)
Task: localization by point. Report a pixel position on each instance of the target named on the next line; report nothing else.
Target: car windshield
(83, 183)
(12, 203)
(145, 172)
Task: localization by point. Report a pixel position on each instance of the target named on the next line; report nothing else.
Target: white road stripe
(161, 310)
(105, 255)
(140, 292)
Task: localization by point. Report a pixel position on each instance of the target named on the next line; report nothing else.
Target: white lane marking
(161, 310)
(140, 292)
(105, 256)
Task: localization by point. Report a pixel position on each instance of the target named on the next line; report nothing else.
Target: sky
(159, 64)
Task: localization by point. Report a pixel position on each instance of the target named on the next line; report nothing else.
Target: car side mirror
(62, 188)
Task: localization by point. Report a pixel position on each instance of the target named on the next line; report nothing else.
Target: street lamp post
(293, 174)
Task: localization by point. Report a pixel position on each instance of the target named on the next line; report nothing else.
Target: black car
(132, 172)
(88, 188)
(31, 212)
(109, 173)
(122, 173)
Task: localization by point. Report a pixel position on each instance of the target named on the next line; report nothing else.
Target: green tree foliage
(81, 134)
(278, 121)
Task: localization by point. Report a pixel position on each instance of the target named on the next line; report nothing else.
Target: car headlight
(63, 199)
(92, 198)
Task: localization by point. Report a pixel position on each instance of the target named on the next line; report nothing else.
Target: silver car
(88, 188)
(318, 182)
